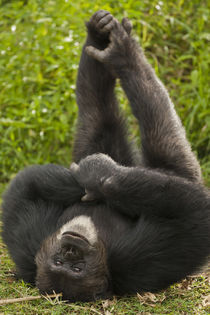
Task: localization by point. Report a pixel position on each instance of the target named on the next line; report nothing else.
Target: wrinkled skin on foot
(102, 23)
(119, 46)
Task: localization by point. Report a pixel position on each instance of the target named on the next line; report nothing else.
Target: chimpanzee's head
(73, 262)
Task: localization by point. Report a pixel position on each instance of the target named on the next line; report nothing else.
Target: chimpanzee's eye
(58, 262)
(76, 269)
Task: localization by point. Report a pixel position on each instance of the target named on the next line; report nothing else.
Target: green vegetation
(40, 44)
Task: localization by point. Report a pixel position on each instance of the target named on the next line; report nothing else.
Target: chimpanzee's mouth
(76, 235)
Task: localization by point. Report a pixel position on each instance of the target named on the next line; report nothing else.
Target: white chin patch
(82, 225)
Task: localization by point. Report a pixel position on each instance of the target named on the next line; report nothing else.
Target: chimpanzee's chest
(110, 224)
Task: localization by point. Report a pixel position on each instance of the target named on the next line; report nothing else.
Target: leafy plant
(40, 43)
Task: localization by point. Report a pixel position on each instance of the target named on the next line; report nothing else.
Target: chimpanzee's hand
(94, 173)
(102, 22)
(119, 52)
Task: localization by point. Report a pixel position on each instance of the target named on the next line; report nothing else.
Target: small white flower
(41, 133)
(33, 112)
(69, 38)
(60, 47)
(44, 110)
(13, 28)
(3, 52)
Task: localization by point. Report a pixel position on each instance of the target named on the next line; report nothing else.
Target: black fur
(152, 214)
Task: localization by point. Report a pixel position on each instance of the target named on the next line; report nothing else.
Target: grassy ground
(40, 44)
(188, 297)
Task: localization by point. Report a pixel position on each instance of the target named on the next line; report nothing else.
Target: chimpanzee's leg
(101, 127)
(164, 144)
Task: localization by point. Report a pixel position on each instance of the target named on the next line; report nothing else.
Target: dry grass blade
(28, 298)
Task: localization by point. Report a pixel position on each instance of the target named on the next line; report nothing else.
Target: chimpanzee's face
(73, 262)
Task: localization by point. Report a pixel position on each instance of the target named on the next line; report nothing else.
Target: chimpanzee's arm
(137, 190)
(50, 182)
(32, 205)
(160, 251)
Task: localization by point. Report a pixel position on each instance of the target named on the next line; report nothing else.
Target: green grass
(40, 45)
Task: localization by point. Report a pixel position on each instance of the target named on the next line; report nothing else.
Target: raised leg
(101, 128)
(164, 144)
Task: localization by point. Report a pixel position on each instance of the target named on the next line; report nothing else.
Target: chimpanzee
(116, 222)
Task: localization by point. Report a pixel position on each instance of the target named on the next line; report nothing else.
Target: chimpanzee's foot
(96, 173)
(101, 23)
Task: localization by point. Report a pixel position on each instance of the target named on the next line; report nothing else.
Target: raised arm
(164, 143)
